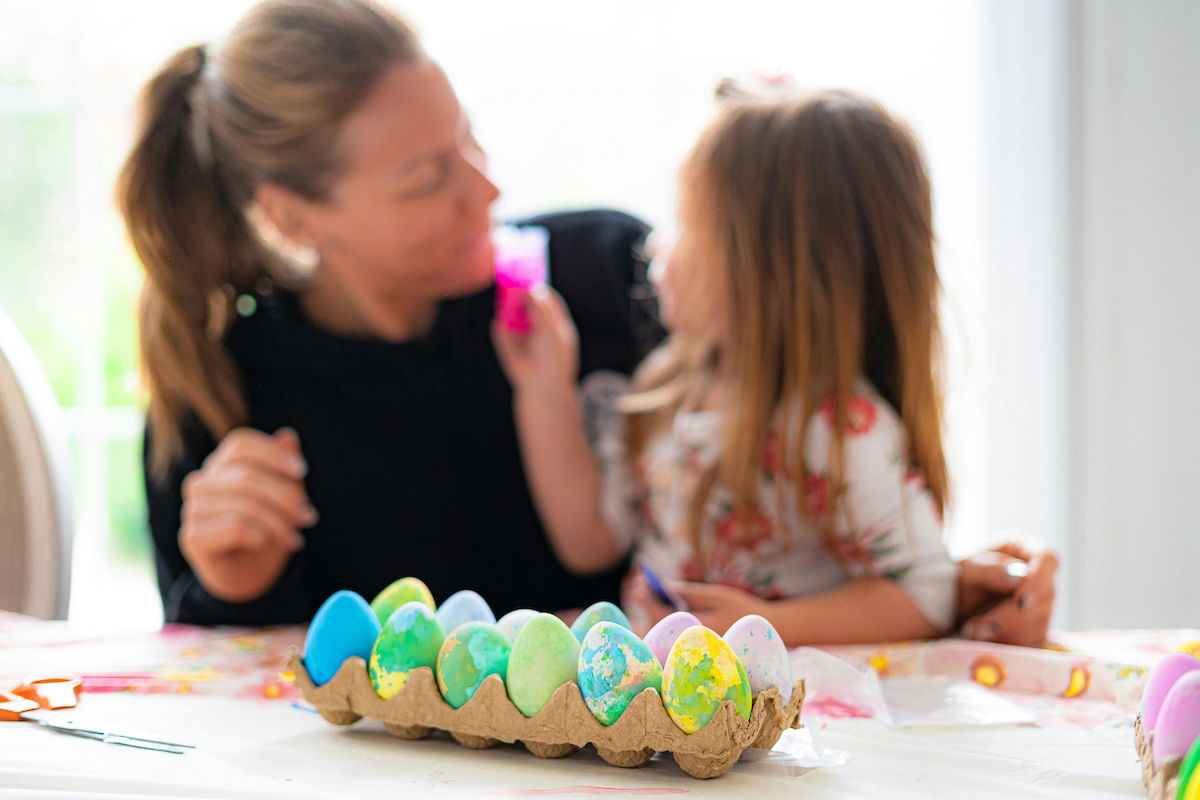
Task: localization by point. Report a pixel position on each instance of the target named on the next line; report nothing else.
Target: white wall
(1134, 290)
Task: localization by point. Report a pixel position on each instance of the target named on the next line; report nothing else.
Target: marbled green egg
(471, 652)
(411, 638)
(544, 657)
(701, 673)
(398, 593)
(603, 611)
(615, 666)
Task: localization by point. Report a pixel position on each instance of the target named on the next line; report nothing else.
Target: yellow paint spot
(1081, 679)
(191, 652)
(287, 677)
(880, 662)
(1191, 648)
(271, 690)
(185, 687)
(988, 671)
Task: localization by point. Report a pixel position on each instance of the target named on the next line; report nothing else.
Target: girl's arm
(559, 465)
(866, 610)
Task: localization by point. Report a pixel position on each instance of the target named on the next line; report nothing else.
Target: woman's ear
(285, 213)
(284, 222)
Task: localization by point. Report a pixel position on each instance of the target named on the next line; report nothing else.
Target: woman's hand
(545, 359)
(243, 511)
(996, 604)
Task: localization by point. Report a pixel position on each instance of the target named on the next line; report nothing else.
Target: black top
(413, 457)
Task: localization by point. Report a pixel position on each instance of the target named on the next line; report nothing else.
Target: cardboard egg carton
(1163, 783)
(564, 725)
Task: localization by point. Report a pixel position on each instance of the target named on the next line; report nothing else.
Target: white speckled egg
(764, 655)
(512, 622)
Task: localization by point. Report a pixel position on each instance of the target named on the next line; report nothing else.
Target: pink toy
(521, 256)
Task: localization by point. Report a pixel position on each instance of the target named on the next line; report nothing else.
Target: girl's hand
(997, 607)
(545, 359)
(243, 511)
(717, 606)
(640, 604)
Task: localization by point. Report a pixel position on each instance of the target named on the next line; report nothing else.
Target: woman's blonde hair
(267, 106)
(821, 214)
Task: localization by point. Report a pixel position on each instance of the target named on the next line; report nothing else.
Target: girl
(781, 452)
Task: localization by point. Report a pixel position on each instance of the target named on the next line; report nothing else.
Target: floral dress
(887, 524)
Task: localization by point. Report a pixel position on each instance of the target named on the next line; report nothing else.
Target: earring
(298, 262)
(306, 257)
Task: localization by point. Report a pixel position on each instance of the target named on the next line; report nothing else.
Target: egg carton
(564, 725)
(1161, 783)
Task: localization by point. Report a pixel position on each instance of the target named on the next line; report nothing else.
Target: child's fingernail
(296, 465)
(310, 514)
(993, 628)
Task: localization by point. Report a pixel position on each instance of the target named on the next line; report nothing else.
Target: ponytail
(197, 250)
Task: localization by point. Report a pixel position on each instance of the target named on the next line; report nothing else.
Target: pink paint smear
(592, 790)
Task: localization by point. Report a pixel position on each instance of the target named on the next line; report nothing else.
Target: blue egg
(615, 666)
(464, 606)
(344, 626)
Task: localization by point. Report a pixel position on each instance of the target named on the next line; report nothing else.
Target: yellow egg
(702, 672)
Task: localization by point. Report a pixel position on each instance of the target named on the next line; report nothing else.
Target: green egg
(471, 652)
(702, 672)
(398, 593)
(544, 657)
(411, 638)
(603, 611)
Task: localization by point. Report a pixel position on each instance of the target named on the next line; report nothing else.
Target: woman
(326, 410)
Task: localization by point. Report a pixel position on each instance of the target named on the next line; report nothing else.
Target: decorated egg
(544, 657)
(702, 672)
(1189, 775)
(471, 652)
(1164, 675)
(603, 611)
(615, 666)
(411, 638)
(1191, 791)
(344, 626)
(662, 636)
(397, 594)
(1178, 719)
(512, 622)
(464, 606)
(757, 645)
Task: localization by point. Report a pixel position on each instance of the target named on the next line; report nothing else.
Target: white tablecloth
(220, 691)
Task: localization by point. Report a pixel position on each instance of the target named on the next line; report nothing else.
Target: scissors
(28, 702)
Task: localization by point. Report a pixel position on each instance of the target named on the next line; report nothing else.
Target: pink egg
(1178, 719)
(1164, 675)
(662, 636)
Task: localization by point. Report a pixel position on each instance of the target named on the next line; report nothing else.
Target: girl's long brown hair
(822, 217)
(215, 124)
